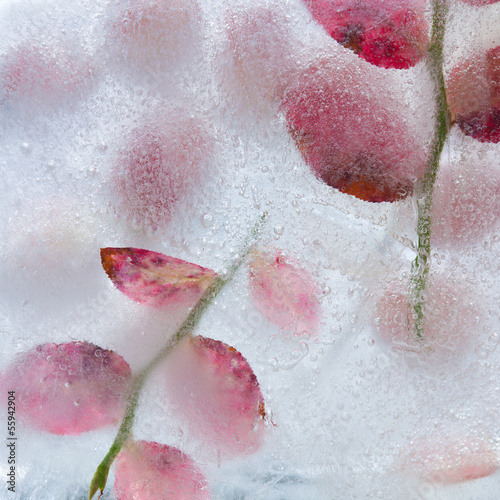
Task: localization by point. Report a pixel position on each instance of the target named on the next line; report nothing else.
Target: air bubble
(207, 220)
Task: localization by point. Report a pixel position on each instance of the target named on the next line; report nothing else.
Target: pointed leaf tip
(100, 479)
(93, 490)
(155, 279)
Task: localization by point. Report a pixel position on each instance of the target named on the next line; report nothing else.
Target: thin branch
(422, 263)
(100, 478)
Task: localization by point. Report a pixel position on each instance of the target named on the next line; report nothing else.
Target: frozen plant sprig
(100, 478)
(422, 263)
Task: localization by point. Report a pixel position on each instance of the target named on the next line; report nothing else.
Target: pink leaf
(466, 202)
(147, 470)
(162, 162)
(149, 34)
(448, 460)
(266, 70)
(69, 388)
(285, 292)
(480, 3)
(41, 73)
(155, 279)
(218, 394)
(473, 93)
(450, 316)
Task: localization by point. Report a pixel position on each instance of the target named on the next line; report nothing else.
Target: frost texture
(172, 125)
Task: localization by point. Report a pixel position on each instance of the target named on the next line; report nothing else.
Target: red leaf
(388, 34)
(350, 139)
(154, 279)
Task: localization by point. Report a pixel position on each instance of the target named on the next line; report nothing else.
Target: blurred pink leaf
(474, 97)
(161, 163)
(154, 279)
(449, 459)
(149, 471)
(451, 309)
(284, 292)
(218, 394)
(465, 202)
(69, 388)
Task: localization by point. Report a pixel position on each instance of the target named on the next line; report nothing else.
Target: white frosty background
(345, 405)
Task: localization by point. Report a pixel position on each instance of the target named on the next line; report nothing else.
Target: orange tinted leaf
(352, 141)
(154, 279)
(473, 93)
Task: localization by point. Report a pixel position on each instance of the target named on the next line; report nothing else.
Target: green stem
(101, 475)
(422, 262)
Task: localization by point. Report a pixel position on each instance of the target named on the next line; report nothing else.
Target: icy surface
(349, 414)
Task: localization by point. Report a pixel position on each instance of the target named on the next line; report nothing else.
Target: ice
(173, 126)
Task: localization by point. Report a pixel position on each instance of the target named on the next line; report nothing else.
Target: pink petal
(154, 279)
(69, 388)
(218, 394)
(147, 470)
(285, 292)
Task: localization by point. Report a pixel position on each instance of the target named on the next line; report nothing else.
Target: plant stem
(421, 264)
(101, 475)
